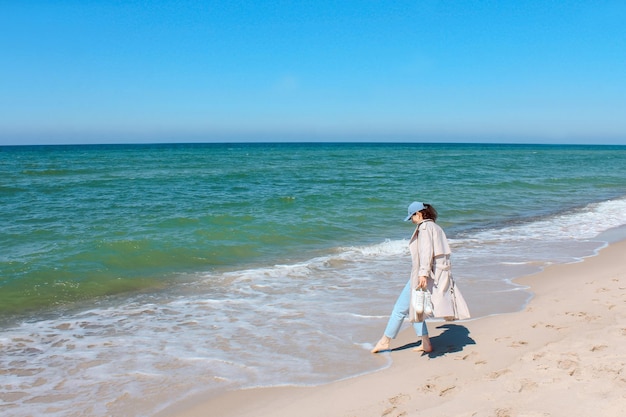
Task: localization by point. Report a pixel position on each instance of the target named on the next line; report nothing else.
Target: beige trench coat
(430, 254)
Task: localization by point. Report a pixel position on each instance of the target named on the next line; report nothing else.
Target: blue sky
(470, 71)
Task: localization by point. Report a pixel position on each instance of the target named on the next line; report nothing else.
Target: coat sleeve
(426, 252)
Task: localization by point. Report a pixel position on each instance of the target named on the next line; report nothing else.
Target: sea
(135, 276)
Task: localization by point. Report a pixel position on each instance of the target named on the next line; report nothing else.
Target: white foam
(584, 223)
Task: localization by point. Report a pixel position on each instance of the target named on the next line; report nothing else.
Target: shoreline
(566, 343)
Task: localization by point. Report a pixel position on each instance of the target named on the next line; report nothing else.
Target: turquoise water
(186, 263)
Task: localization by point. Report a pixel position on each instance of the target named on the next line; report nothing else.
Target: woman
(430, 255)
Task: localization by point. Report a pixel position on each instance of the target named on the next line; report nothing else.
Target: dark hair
(429, 212)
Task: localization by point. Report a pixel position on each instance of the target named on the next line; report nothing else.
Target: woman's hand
(422, 281)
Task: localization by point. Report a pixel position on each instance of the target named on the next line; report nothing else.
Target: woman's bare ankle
(426, 345)
(382, 344)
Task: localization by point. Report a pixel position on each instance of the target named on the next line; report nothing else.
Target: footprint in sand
(395, 402)
(582, 314)
(399, 399)
(498, 374)
(388, 411)
(447, 391)
(466, 357)
(528, 385)
(547, 326)
(503, 412)
(427, 388)
(522, 385)
(473, 356)
(567, 364)
(391, 410)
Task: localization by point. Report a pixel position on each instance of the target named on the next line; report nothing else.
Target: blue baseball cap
(414, 207)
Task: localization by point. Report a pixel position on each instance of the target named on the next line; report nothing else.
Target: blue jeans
(400, 312)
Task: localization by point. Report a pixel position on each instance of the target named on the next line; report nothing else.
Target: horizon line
(317, 142)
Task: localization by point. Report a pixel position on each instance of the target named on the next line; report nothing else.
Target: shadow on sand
(453, 339)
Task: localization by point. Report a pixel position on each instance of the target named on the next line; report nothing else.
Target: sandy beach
(563, 355)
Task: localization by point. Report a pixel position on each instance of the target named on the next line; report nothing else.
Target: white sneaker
(428, 304)
(418, 301)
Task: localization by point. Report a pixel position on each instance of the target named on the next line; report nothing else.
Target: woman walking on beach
(430, 272)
